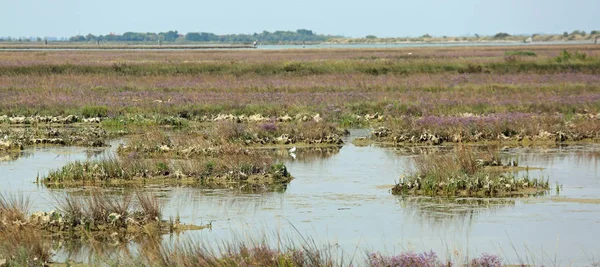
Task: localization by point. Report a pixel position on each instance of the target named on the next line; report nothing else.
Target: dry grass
(100, 209)
(23, 247)
(150, 207)
(248, 254)
(20, 245)
(13, 208)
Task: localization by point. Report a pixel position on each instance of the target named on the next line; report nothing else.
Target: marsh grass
(99, 210)
(132, 169)
(174, 88)
(247, 254)
(271, 132)
(13, 208)
(503, 127)
(29, 240)
(19, 244)
(466, 173)
(23, 247)
(307, 68)
(520, 53)
(289, 253)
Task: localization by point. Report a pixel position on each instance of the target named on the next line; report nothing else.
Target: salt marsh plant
(466, 173)
(253, 169)
(335, 83)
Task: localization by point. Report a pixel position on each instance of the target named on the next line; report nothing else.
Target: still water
(341, 197)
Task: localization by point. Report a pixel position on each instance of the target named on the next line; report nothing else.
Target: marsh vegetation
(466, 173)
(235, 121)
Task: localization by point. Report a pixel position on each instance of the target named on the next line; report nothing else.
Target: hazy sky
(384, 18)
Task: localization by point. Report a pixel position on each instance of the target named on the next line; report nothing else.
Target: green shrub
(94, 111)
(520, 53)
(566, 56)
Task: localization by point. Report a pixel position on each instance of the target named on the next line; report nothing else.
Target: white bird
(5, 137)
(292, 150)
(293, 155)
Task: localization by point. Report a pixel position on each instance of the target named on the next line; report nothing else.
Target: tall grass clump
(97, 211)
(465, 173)
(251, 253)
(13, 208)
(20, 245)
(23, 247)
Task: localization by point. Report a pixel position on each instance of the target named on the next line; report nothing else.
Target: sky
(351, 18)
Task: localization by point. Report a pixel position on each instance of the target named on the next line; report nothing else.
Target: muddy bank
(532, 132)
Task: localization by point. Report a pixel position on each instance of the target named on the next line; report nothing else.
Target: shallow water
(342, 197)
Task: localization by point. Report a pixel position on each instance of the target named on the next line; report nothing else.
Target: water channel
(342, 198)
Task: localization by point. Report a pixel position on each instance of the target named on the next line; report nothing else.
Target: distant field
(335, 83)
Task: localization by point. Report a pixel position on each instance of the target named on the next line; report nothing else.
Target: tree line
(300, 35)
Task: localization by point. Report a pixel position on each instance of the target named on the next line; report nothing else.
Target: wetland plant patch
(467, 173)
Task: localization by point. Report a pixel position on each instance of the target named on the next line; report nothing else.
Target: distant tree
(565, 34)
(210, 37)
(170, 36)
(90, 37)
(426, 36)
(595, 32)
(193, 36)
(77, 38)
(305, 32)
(370, 36)
(501, 35)
(578, 32)
(300, 35)
(476, 35)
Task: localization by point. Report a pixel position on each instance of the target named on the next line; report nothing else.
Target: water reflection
(12, 156)
(582, 155)
(442, 210)
(306, 154)
(95, 251)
